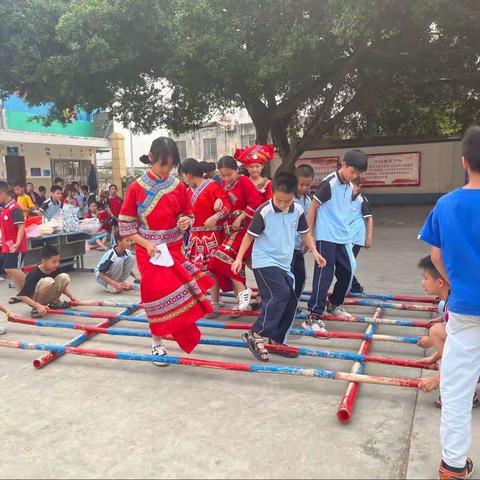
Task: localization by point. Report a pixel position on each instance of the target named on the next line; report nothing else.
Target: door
(15, 169)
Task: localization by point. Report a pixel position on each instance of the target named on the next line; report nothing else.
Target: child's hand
(151, 248)
(12, 316)
(124, 286)
(321, 262)
(41, 309)
(183, 222)
(429, 384)
(218, 205)
(425, 342)
(236, 266)
(237, 224)
(211, 221)
(368, 242)
(75, 299)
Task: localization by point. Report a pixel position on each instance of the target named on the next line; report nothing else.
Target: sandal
(59, 305)
(14, 300)
(290, 353)
(35, 313)
(256, 346)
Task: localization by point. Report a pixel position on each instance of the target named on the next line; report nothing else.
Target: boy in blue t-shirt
(273, 230)
(305, 175)
(361, 224)
(453, 231)
(330, 216)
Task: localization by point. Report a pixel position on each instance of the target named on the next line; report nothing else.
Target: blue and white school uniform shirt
(305, 203)
(453, 226)
(275, 232)
(360, 210)
(332, 223)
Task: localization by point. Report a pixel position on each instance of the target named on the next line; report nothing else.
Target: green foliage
(304, 69)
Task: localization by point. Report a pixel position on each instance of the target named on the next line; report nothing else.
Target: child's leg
(322, 278)
(17, 277)
(62, 281)
(356, 286)
(275, 294)
(215, 291)
(344, 270)
(126, 268)
(298, 270)
(286, 320)
(438, 334)
(459, 376)
(44, 292)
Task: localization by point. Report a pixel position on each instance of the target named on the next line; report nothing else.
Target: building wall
(440, 169)
(39, 156)
(18, 115)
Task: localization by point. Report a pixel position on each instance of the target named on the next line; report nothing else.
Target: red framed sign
(322, 166)
(393, 170)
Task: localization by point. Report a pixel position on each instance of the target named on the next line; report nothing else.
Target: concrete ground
(84, 417)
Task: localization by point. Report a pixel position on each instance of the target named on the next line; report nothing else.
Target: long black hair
(161, 149)
(193, 167)
(227, 162)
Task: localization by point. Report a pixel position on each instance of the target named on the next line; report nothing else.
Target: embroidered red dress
(115, 205)
(173, 297)
(264, 189)
(104, 219)
(204, 241)
(245, 199)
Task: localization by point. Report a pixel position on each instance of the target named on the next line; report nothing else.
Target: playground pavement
(84, 417)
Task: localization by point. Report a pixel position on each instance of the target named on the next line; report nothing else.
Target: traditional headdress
(254, 154)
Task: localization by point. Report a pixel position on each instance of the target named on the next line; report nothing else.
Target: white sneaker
(159, 351)
(338, 311)
(3, 330)
(244, 298)
(314, 324)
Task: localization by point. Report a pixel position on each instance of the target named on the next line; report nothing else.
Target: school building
(400, 171)
(33, 152)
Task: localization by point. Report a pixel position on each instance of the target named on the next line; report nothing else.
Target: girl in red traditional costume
(245, 199)
(254, 158)
(156, 211)
(210, 206)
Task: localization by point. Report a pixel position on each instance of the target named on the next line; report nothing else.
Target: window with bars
(210, 149)
(246, 140)
(71, 170)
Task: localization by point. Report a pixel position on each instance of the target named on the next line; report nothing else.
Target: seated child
(45, 284)
(273, 230)
(438, 286)
(361, 224)
(101, 236)
(116, 266)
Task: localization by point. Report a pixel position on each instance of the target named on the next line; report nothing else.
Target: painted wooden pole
(198, 362)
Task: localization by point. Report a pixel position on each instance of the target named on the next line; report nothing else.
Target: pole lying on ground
(375, 303)
(247, 326)
(380, 296)
(347, 403)
(198, 362)
(52, 356)
(235, 313)
(302, 351)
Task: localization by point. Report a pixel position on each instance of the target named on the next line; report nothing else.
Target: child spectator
(210, 169)
(45, 284)
(70, 197)
(453, 231)
(36, 198)
(23, 199)
(330, 216)
(116, 265)
(114, 204)
(361, 224)
(83, 201)
(14, 240)
(305, 176)
(273, 229)
(53, 205)
(42, 195)
(100, 238)
(59, 182)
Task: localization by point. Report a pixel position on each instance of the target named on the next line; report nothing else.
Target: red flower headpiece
(254, 154)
